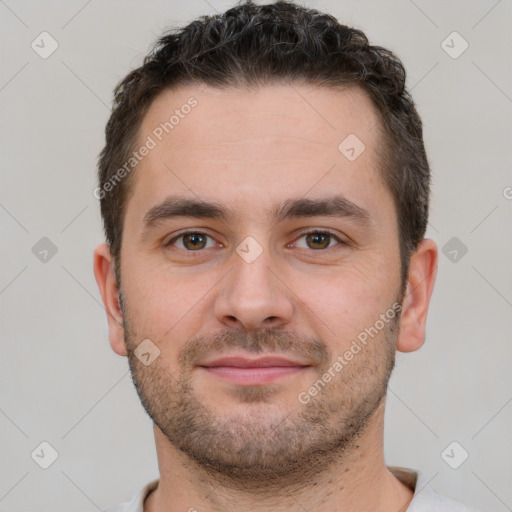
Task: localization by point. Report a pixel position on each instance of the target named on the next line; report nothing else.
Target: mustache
(311, 349)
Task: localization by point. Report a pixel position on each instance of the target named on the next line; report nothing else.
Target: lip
(260, 362)
(253, 372)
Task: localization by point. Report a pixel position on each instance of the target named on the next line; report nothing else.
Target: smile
(253, 372)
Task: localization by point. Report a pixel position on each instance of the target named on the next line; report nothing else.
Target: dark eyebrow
(335, 206)
(183, 207)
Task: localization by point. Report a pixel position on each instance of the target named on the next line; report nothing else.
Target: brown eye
(192, 241)
(318, 240)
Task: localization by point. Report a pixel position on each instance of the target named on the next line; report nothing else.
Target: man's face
(272, 278)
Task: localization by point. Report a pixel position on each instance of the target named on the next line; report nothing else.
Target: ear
(420, 284)
(105, 277)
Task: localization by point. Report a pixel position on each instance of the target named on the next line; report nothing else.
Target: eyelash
(318, 232)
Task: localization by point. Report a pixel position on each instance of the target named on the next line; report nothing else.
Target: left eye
(318, 240)
(193, 241)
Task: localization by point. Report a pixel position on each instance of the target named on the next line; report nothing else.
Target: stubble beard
(266, 446)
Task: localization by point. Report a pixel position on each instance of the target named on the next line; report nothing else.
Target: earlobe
(105, 277)
(421, 279)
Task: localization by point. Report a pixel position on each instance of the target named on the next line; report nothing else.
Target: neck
(355, 481)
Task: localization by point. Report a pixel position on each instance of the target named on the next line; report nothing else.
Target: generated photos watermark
(356, 346)
(150, 143)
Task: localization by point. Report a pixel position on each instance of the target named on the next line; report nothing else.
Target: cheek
(160, 305)
(166, 307)
(344, 303)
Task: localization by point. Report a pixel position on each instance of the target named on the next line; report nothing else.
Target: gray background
(61, 383)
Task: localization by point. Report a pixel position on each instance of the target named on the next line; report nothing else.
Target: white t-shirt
(424, 500)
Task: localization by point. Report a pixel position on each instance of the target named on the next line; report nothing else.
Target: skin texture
(228, 446)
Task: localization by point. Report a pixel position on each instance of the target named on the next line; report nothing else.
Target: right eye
(192, 241)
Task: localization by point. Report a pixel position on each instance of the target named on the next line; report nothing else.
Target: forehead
(267, 142)
(314, 115)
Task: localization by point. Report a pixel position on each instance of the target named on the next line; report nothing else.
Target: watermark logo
(351, 147)
(454, 455)
(44, 250)
(454, 249)
(44, 45)
(249, 249)
(146, 352)
(454, 45)
(44, 455)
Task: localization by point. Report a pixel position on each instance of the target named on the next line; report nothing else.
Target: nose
(253, 297)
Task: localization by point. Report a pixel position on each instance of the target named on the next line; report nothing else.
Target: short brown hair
(252, 45)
